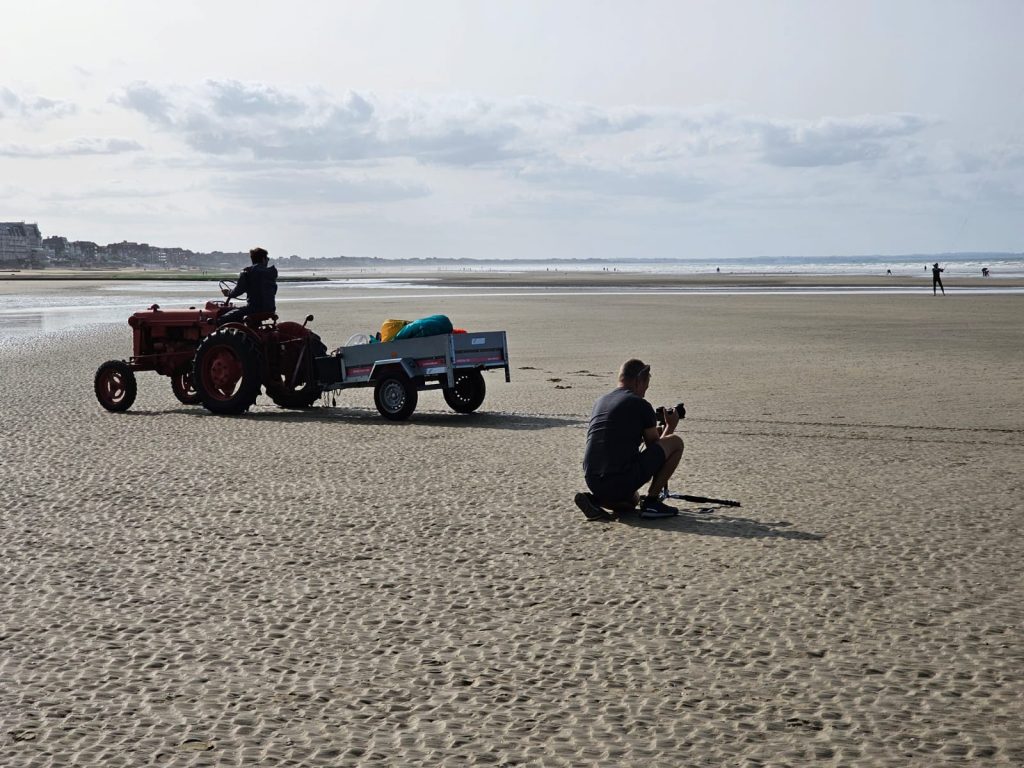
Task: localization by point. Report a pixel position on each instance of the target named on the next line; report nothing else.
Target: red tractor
(221, 366)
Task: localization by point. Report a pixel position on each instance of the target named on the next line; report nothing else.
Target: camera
(661, 410)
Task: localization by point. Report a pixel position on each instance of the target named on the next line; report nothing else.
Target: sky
(502, 130)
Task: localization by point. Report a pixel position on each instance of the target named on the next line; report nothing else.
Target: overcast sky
(619, 130)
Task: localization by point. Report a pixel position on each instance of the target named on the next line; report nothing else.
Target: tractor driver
(613, 464)
(259, 284)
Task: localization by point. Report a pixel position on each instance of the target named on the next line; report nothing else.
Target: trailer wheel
(468, 393)
(183, 386)
(305, 391)
(115, 386)
(395, 396)
(227, 372)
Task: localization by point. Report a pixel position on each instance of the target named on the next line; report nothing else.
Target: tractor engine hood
(156, 316)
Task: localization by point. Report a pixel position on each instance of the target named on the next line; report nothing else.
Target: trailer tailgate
(484, 349)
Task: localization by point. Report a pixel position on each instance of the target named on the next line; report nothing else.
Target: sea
(31, 314)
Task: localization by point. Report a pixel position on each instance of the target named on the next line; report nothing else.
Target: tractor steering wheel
(226, 285)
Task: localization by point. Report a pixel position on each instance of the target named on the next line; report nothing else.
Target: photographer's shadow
(715, 524)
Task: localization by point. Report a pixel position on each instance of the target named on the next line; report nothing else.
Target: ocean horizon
(963, 265)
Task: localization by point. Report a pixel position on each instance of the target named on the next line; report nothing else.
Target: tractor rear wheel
(183, 386)
(468, 393)
(115, 385)
(395, 396)
(227, 371)
(302, 392)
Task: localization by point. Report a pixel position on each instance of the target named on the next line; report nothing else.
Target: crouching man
(613, 465)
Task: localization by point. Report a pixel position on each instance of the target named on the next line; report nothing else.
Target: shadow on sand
(695, 522)
(370, 417)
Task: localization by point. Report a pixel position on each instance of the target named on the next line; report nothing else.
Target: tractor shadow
(694, 522)
(370, 417)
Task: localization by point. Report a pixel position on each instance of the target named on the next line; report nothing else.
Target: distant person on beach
(259, 285)
(614, 467)
(984, 272)
(936, 279)
(888, 271)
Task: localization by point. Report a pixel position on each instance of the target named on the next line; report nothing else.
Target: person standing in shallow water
(936, 279)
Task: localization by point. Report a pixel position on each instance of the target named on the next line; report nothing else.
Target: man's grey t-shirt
(616, 432)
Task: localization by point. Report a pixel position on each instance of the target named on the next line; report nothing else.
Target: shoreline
(103, 275)
(543, 279)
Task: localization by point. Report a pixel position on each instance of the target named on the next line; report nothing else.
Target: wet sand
(327, 588)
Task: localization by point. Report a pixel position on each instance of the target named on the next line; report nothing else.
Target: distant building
(177, 257)
(21, 244)
(77, 253)
(126, 252)
(86, 250)
(57, 248)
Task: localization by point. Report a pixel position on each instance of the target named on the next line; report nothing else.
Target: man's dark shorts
(621, 487)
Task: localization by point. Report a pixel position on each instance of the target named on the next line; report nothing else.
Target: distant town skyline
(23, 245)
(519, 130)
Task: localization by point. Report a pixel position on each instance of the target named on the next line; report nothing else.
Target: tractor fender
(383, 367)
(294, 330)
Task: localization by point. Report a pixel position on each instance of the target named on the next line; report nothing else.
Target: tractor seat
(256, 318)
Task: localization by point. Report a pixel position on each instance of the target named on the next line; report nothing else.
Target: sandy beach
(326, 588)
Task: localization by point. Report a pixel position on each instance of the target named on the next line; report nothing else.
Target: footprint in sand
(195, 745)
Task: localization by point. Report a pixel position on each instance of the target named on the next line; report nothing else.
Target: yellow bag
(392, 327)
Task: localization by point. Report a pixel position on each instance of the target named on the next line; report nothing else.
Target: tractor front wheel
(227, 371)
(468, 393)
(115, 386)
(183, 386)
(395, 396)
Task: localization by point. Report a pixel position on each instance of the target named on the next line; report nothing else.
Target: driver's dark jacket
(259, 284)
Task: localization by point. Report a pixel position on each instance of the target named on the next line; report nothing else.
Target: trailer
(399, 370)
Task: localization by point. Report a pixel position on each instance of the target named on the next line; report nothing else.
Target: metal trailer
(399, 370)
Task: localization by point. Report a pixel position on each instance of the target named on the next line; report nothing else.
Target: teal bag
(434, 325)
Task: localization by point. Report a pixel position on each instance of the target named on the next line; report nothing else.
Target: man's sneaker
(655, 509)
(589, 507)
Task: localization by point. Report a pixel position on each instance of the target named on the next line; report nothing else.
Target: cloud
(231, 98)
(14, 106)
(111, 191)
(301, 139)
(616, 181)
(835, 141)
(82, 146)
(264, 123)
(316, 187)
(232, 118)
(148, 101)
(590, 120)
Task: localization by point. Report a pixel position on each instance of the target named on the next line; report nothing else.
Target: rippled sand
(327, 588)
